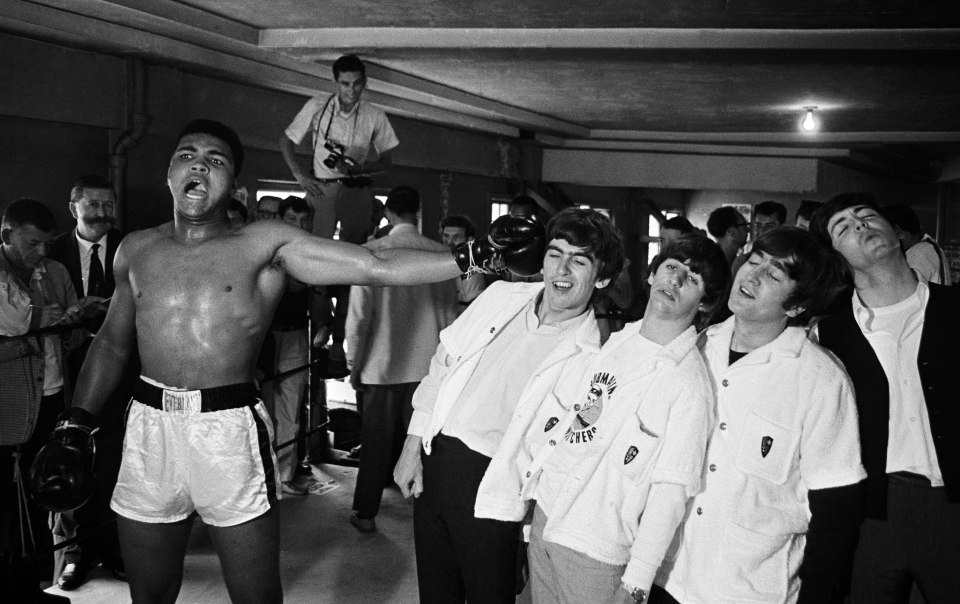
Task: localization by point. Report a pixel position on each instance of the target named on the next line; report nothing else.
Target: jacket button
(723, 425)
(576, 407)
(725, 383)
(713, 467)
(553, 443)
(528, 474)
(493, 329)
(699, 511)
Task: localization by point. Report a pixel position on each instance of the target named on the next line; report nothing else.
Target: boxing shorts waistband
(232, 396)
(909, 478)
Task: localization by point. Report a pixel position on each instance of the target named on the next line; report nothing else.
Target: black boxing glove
(507, 234)
(527, 259)
(62, 476)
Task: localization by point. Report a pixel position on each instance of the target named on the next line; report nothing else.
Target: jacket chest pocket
(765, 450)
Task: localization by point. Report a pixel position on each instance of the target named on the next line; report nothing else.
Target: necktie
(95, 278)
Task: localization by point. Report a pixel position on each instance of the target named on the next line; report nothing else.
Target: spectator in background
(767, 215)
(289, 331)
(455, 230)
(87, 252)
(923, 253)
(267, 208)
(671, 228)
(35, 292)
(730, 229)
(805, 212)
(237, 213)
(392, 333)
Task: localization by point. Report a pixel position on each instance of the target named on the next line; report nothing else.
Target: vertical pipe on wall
(139, 121)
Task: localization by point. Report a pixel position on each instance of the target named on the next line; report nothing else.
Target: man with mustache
(87, 251)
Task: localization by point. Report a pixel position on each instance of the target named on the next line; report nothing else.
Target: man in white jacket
(498, 361)
(612, 463)
(777, 519)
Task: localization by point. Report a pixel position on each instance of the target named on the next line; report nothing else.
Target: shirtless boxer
(196, 297)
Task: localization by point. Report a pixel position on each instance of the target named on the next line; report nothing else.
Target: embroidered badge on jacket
(553, 421)
(765, 443)
(631, 454)
(583, 428)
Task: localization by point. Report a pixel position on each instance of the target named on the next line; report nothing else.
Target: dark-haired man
(897, 337)
(612, 461)
(457, 229)
(392, 332)
(767, 215)
(730, 229)
(35, 292)
(776, 520)
(194, 296)
(345, 129)
(500, 359)
(87, 252)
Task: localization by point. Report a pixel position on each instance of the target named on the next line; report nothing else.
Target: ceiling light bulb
(809, 124)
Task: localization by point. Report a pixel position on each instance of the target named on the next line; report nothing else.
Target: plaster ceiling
(706, 76)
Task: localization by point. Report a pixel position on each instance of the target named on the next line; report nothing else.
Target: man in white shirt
(499, 360)
(897, 338)
(923, 253)
(392, 332)
(345, 129)
(781, 502)
(612, 462)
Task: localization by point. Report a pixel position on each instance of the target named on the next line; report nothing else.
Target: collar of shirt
(337, 110)
(86, 245)
(403, 227)
(534, 324)
(864, 315)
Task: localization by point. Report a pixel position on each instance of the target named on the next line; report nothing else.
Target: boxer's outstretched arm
(320, 261)
(113, 346)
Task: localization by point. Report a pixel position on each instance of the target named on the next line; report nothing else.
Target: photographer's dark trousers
(460, 557)
(352, 207)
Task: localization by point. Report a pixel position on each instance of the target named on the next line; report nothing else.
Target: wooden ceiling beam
(352, 38)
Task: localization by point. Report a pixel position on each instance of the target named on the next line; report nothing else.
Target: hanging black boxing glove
(61, 476)
(518, 242)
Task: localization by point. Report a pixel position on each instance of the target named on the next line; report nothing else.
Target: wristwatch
(639, 596)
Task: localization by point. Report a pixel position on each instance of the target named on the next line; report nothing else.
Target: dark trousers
(919, 542)
(460, 557)
(93, 523)
(386, 414)
(11, 537)
(659, 595)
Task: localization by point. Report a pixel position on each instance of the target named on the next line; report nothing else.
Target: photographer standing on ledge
(351, 140)
(344, 129)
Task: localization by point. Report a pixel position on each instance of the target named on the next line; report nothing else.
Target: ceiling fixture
(809, 123)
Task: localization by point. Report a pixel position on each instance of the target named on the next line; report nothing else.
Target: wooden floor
(323, 558)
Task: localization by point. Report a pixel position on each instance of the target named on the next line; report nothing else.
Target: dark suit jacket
(939, 377)
(65, 250)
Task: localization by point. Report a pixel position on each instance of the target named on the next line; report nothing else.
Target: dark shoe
(364, 525)
(73, 576)
(117, 569)
(292, 487)
(354, 452)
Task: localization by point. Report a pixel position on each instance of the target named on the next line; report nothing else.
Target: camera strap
(333, 111)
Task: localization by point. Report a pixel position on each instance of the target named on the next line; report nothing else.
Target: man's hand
(355, 380)
(92, 306)
(408, 473)
(51, 314)
(311, 185)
